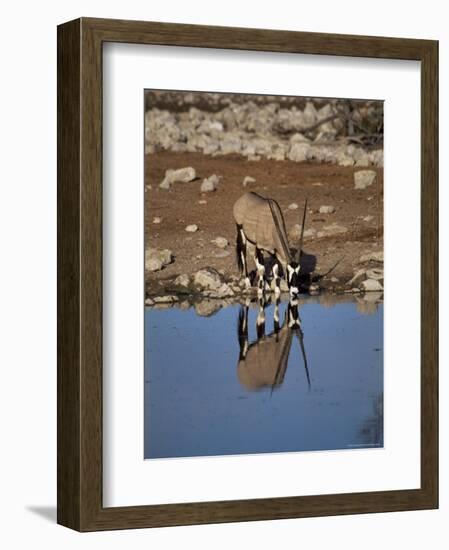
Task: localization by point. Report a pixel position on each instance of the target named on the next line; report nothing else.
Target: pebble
(210, 184)
(182, 175)
(293, 206)
(221, 254)
(157, 219)
(192, 228)
(327, 209)
(221, 242)
(248, 180)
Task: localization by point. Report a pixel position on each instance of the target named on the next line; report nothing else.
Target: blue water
(199, 401)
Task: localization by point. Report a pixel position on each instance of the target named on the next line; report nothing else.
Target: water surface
(211, 391)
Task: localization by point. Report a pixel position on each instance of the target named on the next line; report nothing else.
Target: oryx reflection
(263, 363)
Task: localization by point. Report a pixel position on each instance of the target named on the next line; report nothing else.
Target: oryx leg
(260, 320)
(260, 266)
(241, 254)
(277, 279)
(243, 331)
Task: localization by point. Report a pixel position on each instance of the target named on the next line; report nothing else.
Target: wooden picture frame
(80, 418)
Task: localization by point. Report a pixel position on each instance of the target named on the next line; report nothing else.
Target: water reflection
(263, 363)
(227, 378)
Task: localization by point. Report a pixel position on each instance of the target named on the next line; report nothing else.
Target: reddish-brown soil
(285, 181)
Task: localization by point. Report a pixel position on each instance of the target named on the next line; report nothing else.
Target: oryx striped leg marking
(241, 254)
(260, 265)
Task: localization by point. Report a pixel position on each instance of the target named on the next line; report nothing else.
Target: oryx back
(262, 223)
(266, 361)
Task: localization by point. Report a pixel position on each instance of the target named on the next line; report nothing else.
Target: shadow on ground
(46, 512)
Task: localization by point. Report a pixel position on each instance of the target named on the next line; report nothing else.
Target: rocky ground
(199, 162)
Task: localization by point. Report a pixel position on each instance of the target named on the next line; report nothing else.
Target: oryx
(263, 363)
(260, 222)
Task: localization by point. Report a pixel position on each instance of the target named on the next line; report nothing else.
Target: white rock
(364, 178)
(182, 175)
(375, 273)
(247, 180)
(156, 259)
(209, 184)
(343, 158)
(231, 144)
(363, 161)
(377, 157)
(165, 184)
(157, 219)
(149, 302)
(293, 206)
(208, 278)
(182, 280)
(298, 138)
(202, 201)
(327, 209)
(298, 152)
(153, 264)
(371, 285)
(192, 228)
(310, 114)
(224, 291)
(359, 276)
(221, 242)
(168, 299)
(165, 255)
(368, 218)
(372, 256)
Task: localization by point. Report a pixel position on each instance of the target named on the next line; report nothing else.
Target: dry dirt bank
(358, 211)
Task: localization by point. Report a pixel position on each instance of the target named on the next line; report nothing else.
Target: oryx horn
(302, 231)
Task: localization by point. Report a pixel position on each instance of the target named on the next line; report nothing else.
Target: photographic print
(264, 274)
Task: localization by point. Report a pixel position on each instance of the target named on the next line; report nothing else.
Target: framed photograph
(247, 274)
